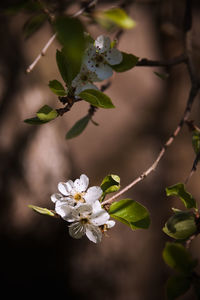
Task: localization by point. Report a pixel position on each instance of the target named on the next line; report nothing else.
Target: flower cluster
(80, 206)
(97, 62)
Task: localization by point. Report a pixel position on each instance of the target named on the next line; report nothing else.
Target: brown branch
(193, 92)
(144, 62)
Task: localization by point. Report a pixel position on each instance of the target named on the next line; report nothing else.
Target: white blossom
(86, 220)
(99, 56)
(84, 80)
(74, 194)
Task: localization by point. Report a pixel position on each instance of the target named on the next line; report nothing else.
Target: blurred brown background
(37, 255)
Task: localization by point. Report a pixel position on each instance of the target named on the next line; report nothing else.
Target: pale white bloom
(86, 221)
(74, 194)
(99, 56)
(84, 80)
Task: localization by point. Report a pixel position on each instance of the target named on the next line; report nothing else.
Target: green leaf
(42, 210)
(181, 225)
(178, 258)
(196, 141)
(179, 190)
(177, 285)
(110, 184)
(57, 88)
(46, 113)
(70, 33)
(33, 24)
(78, 127)
(162, 76)
(131, 213)
(128, 62)
(34, 121)
(96, 98)
(62, 65)
(115, 16)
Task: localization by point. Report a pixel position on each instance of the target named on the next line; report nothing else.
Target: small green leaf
(42, 210)
(196, 141)
(179, 190)
(96, 98)
(162, 76)
(34, 121)
(131, 213)
(128, 62)
(33, 24)
(78, 127)
(115, 16)
(181, 225)
(110, 184)
(46, 113)
(177, 285)
(57, 88)
(70, 33)
(178, 258)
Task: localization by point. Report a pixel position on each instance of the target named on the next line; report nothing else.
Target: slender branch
(168, 63)
(193, 92)
(52, 38)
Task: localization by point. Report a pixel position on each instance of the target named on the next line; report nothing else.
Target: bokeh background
(38, 258)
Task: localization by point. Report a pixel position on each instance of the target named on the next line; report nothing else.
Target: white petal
(96, 206)
(56, 197)
(93, 233)
(93, 194)
(82, 210)
(102, 43)
(110, 223)
(100, 218)
(113, 56)
(65, 187)
(76, 230)
(103, 71)
(81, 184)
(64, 210)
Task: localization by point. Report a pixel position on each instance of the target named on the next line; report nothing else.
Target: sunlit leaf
(57, 88)
(96, 98)
(114, 16)
(42, 210)
(196, 141)
(46, 113)
(179, 190)
(78, 127)
(181, 225)
(110, 184)
(131, 213)
(178, 258)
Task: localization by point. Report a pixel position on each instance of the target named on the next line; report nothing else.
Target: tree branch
(193, 92)
(144, 62)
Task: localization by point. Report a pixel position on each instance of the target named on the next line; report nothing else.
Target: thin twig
(193, 92)
(168, 63)
(52, 38)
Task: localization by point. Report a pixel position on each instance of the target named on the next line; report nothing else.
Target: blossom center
(78, 197)
(84, 221)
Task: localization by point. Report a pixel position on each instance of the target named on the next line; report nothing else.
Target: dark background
(38, 258)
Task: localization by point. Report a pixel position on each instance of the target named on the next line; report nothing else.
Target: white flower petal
(65, 187)
(87, 86)
(76, 230)
(100, 218)
(102, 43)
(56, 197)
(64, 210)
(82, 210)
(93, 233)
(110, 223)
(81, 184)
(103, 71)
(96, 206)
(93, 194)
(113, 56)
